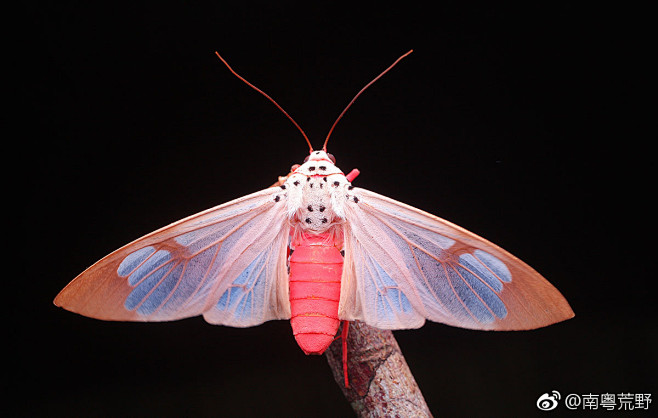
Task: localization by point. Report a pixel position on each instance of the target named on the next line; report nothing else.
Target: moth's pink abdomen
(315, 270)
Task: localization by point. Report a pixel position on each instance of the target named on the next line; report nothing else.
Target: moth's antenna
(271, 99)
(324, 147)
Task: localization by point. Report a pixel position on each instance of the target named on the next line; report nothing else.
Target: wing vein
(150, 292)
(232, 262)
(172, 291)
(224, 219)
(205, 277)
(155, 250)
(408, 241)
(427, 283)
(147, 275)
(477, 295)
(226, 235)
(402, 219)
(445, 268)
(479, 278)
(253, 284)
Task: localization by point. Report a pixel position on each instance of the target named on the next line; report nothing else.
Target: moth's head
(320, 156)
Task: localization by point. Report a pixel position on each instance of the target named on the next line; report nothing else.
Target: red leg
(346, 328)
(352, 174)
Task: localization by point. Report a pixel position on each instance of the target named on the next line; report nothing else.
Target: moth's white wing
(260, 291)
(403, 265)
(227, 263)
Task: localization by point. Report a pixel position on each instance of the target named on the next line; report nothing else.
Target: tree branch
(381, 383)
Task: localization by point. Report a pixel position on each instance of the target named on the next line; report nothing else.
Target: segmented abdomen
(315, 270)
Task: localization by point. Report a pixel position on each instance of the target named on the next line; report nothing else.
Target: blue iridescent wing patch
(217, 261)
(410, 265)
(381, 292)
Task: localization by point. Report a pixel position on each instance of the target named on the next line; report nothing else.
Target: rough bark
(381, 384)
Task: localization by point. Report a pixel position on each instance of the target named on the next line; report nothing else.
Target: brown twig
(381, 384)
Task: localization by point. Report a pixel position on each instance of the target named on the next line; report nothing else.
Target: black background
(520, 123)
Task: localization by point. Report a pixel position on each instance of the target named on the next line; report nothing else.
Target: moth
(316, 250)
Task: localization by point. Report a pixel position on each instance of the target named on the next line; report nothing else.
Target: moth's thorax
(313, 194)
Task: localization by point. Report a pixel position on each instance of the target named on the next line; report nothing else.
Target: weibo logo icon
(548, 401)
